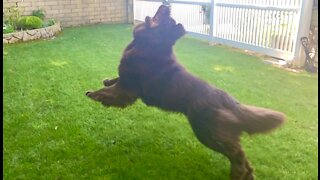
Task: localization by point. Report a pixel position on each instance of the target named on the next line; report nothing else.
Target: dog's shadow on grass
(125, 145)
(128, 161)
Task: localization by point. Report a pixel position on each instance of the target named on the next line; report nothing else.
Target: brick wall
(79, 12)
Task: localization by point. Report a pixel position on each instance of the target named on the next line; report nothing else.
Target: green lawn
(53, 131)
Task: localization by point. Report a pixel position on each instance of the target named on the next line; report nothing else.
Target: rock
(18, 35)
(43, 32)
(37, 35)
(26, 37)
(13, 40)
(31, 32)
(50, 33)
(8, 38)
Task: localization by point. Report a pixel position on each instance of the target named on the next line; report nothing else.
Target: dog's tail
(252, 119)
(258, 120)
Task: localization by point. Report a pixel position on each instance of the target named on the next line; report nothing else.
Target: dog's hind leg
(221, 137)
(240, 166)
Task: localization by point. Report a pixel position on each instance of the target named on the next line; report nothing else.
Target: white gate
(267, 26)
(271, 27)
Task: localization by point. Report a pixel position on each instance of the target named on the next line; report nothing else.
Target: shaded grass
(52, 131)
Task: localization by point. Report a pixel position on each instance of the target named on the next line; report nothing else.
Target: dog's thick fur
(149, 70)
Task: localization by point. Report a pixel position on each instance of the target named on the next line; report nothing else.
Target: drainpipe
(303, 31)
(129, 11)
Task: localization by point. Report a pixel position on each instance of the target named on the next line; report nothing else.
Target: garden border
(33, 34)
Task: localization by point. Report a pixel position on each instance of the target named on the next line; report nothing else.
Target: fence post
(303, 30)
(211, 33)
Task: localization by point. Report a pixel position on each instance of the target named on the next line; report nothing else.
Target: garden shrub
(11, 15)
(7, 28)
(40, 13)
(30, 22)
(50, 22)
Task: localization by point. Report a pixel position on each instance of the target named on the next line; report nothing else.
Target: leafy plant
(7, 28)
(30, 22)
(50, 22)
(40, 13)
(11, 15)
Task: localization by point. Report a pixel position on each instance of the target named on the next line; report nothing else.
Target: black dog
(149, 70)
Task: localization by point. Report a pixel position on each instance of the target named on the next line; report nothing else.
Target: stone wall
(29, 35)
(79, 12)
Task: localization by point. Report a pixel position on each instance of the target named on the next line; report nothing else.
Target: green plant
(11, 16)
(50, 22)
(30, 22)
(7, 28)
(40, 13)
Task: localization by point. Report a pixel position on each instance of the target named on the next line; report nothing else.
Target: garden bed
(28, 35)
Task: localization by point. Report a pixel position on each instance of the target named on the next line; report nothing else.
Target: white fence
(271, 27)
(190, 14)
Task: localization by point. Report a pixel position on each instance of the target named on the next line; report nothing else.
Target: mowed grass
(53, 131)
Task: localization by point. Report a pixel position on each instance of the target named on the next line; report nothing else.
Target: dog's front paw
(88, 93)
(110, 82)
